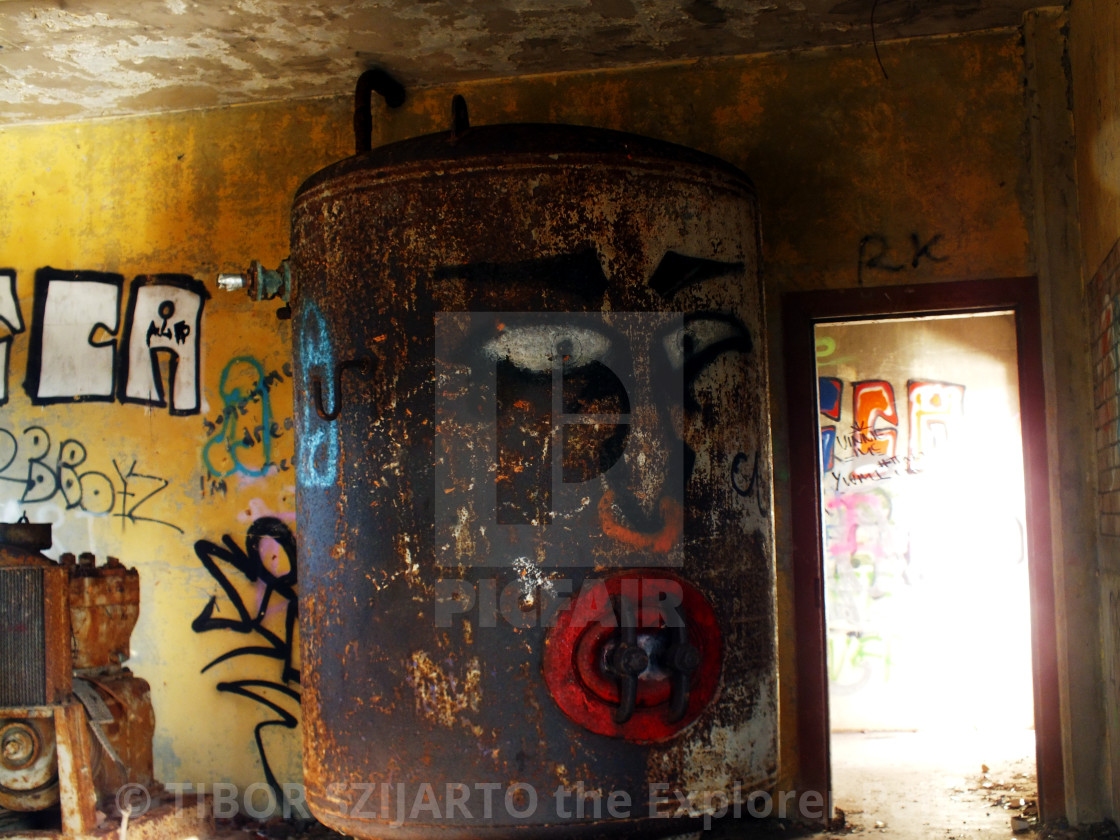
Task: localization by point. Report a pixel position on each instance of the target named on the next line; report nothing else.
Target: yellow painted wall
(191, 193)
(924, 171)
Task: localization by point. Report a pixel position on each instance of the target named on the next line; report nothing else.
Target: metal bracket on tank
(365, 363)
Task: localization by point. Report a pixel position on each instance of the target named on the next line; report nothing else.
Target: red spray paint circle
(578, 648)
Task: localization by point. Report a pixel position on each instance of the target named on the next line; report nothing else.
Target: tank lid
(525, 142)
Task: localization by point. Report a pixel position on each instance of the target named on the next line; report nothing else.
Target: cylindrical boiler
(533, 459)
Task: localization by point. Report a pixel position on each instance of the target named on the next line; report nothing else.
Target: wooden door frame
(801, 312)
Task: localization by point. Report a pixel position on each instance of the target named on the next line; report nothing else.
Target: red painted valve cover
(661, 608)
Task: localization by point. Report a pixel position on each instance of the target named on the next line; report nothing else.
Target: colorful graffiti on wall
(868, 446)
(80, 348)
(64, 475)
(866, 559)
(867, 553)
(99, 374)
(241, 436)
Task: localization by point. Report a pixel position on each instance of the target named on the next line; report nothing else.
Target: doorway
(921, 561)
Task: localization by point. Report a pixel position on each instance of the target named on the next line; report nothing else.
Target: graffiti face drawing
(574, 437)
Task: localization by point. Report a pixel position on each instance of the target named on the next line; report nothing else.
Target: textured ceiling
(78, 59)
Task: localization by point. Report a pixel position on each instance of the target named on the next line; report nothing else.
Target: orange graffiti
(659, 542)
(873, 401)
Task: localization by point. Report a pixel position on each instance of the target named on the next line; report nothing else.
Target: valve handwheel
(636, 656)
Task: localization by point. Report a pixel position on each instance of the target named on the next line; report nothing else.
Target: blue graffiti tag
(232, 437)
(317, 443)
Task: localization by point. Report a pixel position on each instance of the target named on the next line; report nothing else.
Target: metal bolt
(630, 660)
(19, 746)
(231, 282)
(684, 658)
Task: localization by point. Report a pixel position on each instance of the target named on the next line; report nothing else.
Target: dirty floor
(933, 785)
(936, 784)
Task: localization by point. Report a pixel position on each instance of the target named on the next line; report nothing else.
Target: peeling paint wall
(96, 58)
(866, 177)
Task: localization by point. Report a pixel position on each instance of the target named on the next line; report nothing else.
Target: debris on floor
(311, 829)
(244, 828)
(1061, 830)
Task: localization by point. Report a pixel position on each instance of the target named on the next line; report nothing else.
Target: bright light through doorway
(925, 565)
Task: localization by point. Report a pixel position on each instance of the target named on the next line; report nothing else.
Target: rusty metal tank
(537, 584)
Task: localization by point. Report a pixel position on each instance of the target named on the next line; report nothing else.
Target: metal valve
(627, 661)
(640, 664)
(260, 283)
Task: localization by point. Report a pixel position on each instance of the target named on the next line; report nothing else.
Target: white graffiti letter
(66, 361)
(164, 318)
(12, 320)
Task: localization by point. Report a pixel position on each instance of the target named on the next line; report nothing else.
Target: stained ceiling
(81, 59)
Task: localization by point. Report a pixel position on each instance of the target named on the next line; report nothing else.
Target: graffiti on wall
(241, 436)
(258, 581)
(318, 452)
(78, 350)
(37, 470)
(867, 448)
(865, 562)
(867, 553)
(875, 419)
(11, 322)
(878, 253)
(935, 409)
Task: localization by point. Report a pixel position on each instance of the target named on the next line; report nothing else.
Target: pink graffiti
(273, 556)
(852, 512)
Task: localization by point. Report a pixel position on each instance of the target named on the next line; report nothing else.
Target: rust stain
(442, 695)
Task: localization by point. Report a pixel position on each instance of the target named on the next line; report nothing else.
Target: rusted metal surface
(104, 608)
(28, 536)
(34, 629)
(28, 763)
(65, 632)
(77, 794)
(566, 382)
(130, 731)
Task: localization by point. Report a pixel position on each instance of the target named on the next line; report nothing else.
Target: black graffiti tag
(749, 483)
(272, 587)
(27, 461)
(875, 254)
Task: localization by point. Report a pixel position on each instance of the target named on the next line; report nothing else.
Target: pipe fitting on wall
(260, 283)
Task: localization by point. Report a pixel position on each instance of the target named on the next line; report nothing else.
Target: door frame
(801, 312)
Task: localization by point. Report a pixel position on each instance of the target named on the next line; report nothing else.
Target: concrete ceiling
(80, 59)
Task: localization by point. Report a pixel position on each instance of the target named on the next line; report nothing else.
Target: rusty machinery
(533, 458)
(75, 724)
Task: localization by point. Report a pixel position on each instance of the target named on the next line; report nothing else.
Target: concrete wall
(914, 171)
(1095, 77)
